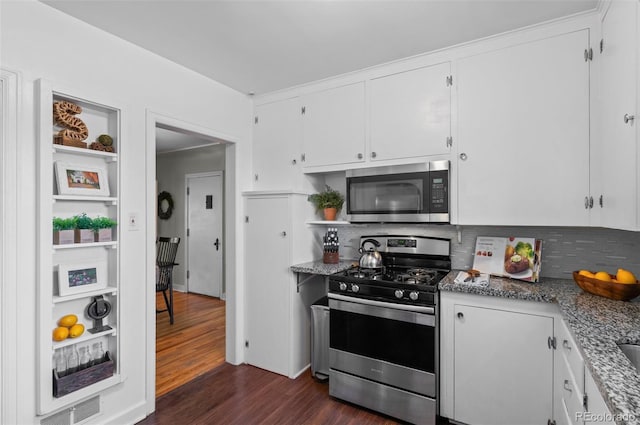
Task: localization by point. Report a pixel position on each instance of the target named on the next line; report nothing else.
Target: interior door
(205, 205)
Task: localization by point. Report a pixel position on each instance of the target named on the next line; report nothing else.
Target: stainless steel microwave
(414, 193)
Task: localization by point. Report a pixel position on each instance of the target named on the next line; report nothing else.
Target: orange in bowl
(611, 288)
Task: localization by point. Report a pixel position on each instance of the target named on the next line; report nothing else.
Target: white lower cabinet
(277, 327)
(577, 399)
(496, 360)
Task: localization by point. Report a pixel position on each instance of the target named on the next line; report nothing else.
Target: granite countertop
(597, 324)
(318, 267)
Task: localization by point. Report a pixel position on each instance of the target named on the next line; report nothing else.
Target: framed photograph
(89, 180)
(78, 278)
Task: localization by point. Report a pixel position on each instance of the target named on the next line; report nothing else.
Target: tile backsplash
(564, 249)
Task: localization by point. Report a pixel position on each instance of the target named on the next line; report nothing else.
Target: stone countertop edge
(597, 324)
(320, 268)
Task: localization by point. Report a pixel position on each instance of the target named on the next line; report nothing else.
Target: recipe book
(513, 257)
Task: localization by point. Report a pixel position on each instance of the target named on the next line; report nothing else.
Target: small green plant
(102, 223)
(63, 223)
(82, 221)
(328, 198)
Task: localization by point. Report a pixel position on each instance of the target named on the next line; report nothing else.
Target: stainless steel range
(383, 343)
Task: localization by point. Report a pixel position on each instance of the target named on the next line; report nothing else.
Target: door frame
(9, 246)
(232, 325)
(186, 225)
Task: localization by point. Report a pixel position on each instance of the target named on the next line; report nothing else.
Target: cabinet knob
(566, 345)
(628, 118)
(293, 161)
(460, 315)
(463, 156)
(283, 234)
(360, 156)
(373, 154)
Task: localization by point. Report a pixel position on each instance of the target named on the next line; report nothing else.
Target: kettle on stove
(371, 258)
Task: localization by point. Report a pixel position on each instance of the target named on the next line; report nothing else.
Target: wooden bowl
(611, 290)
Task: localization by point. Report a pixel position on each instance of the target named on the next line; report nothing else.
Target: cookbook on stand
(512, 257)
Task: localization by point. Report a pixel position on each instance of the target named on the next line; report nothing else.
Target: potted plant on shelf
(63, 230)
(83, 230)
(102, 228)
(329, 201)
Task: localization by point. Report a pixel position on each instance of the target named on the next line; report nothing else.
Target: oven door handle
(401, 312)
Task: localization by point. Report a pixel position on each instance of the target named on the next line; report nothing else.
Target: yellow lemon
(625, 276)
(76, 330)
(586, 273)
(60, 333)
(68, 320)
(604, 276)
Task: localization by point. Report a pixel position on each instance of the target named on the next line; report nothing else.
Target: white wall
(171, 169)
(40, 42)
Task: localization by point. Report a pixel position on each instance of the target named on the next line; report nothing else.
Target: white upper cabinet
(277, 144)
(618, 141)
(333, 126)
(523, 134)
(411, 113)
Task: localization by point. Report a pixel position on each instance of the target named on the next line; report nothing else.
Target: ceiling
(264, 45)
(170, 139)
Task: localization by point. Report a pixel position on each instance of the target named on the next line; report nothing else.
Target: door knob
(217, 244)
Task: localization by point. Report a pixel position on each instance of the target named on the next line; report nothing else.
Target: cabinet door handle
(567, 386)
(586, 202)
(460, 315)
(463, 156)
(566, 345)
(373, 154)
(590, 202)
(359, 156)
(628, 118)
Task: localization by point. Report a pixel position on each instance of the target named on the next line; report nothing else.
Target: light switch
(133, 222)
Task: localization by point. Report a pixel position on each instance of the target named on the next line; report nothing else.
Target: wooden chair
(166, 251)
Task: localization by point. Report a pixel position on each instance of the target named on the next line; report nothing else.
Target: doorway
(205, 206)
(182, 150)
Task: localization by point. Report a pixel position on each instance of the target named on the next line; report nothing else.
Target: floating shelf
(85, 151)
(107, 290)
(113, 244)
(328, 222)
(105, 199)
(86, 336)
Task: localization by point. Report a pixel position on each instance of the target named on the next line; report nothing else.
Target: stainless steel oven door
(392, 344)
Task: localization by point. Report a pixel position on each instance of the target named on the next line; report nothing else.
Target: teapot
(371, 258)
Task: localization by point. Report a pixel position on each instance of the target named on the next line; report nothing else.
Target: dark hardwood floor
(195, 386)
(248, 395)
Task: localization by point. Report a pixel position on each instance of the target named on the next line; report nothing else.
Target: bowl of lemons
(622, 286)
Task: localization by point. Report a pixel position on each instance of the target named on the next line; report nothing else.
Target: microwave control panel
(439, 191)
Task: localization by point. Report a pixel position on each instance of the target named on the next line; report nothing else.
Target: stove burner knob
(343, 286)
(355, 288)
(399, 293)
(413, 295)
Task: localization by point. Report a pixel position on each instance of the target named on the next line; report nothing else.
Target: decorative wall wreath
(165, 205)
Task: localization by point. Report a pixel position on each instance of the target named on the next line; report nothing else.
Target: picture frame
(82, 277)
(85, 180)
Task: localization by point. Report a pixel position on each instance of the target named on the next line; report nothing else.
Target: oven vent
(76, 414)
